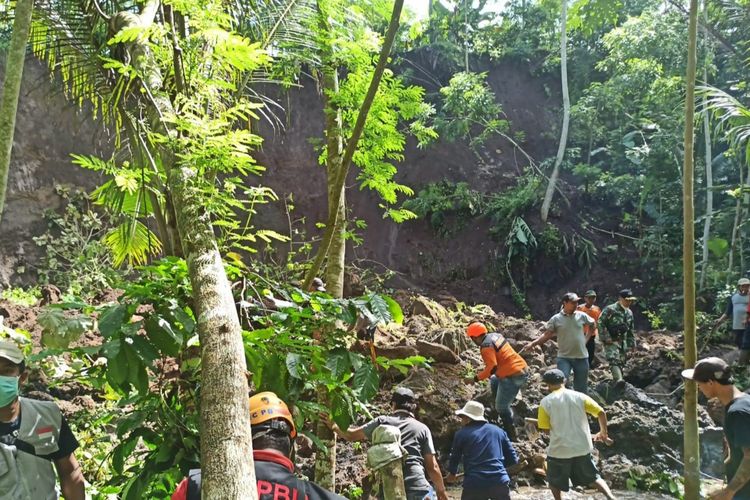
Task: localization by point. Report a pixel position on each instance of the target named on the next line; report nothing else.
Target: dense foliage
(186, 88)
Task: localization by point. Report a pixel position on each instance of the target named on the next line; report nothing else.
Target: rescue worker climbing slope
(616, 330)
(506, 369)
(273, 438)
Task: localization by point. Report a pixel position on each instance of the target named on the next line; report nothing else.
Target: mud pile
(645, 417)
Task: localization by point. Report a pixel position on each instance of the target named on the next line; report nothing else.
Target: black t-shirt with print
(67, 443)
(737, 432)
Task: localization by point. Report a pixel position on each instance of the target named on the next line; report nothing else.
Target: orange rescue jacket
(500, 359)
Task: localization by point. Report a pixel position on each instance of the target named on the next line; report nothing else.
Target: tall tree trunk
(325, 458)
(739, 210)
(12, 89)
(691, 449)
(334, 275)
(743, 218)
(566, 113)
(709, 157)
(226, 441)
(351, 145)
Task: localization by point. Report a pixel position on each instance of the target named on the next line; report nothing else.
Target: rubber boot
(616, 373)
(510, 430)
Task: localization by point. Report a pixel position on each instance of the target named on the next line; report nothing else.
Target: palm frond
(732, 117)
(70, 36)
(132, 241)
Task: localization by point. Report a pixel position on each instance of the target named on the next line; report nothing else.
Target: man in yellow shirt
(563, 413)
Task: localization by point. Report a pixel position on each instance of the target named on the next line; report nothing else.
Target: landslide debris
(645, 417)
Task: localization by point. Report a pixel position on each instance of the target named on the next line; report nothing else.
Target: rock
(712, 450)
(438, 352)
(50, 295)
(422, 306)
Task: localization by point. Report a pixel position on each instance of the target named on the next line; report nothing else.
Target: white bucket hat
(473, 410)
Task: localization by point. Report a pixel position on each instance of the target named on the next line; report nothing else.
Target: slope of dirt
(645, 418)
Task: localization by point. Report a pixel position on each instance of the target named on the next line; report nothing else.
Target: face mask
(8, 390)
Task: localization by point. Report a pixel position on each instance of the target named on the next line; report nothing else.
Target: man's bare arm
(72, 483)
(539, 341)
(433, 470)
(742, 476)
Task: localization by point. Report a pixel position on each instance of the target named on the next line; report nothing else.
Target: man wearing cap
(714, 379)
(506, 369)
(590, 308)
(416, 438)
(563, 413)
(486, 452)
(616, 330)
(34, 437)
(573, 330)
(737, 307)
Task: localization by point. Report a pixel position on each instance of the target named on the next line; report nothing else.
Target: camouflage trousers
(616, 351)
(616, 355)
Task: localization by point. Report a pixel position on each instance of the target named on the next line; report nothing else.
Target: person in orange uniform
(592, 310)
(506, 369)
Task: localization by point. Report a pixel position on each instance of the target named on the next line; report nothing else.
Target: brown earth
(48, 130)
(645, 419)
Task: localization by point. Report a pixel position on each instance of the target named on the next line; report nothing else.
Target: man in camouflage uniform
(617, 333)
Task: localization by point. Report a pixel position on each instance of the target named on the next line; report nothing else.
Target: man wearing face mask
(34, 436)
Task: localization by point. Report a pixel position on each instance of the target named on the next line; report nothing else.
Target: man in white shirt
(563, 413)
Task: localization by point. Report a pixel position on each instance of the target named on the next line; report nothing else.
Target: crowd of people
(37, 446)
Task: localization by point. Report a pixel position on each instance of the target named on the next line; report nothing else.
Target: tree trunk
(351, 145)
(743, 217)
(391, 476)
(334, 275)
(709, 158)
(566, 113)
(12, 89)
(226, 441)
(738, 212)
(228, 471)
(691, 444)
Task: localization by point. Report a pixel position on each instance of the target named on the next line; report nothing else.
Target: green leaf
(380, 309)
(397, 315)
(117, 368)
(338, 362)
(366, 381)
(295, 366)
(718, 246)
(342, 409)
(59, 329)
(111, 320)
(163, 336)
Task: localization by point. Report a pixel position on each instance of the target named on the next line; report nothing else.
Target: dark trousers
(498, 492)
(591, 348)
